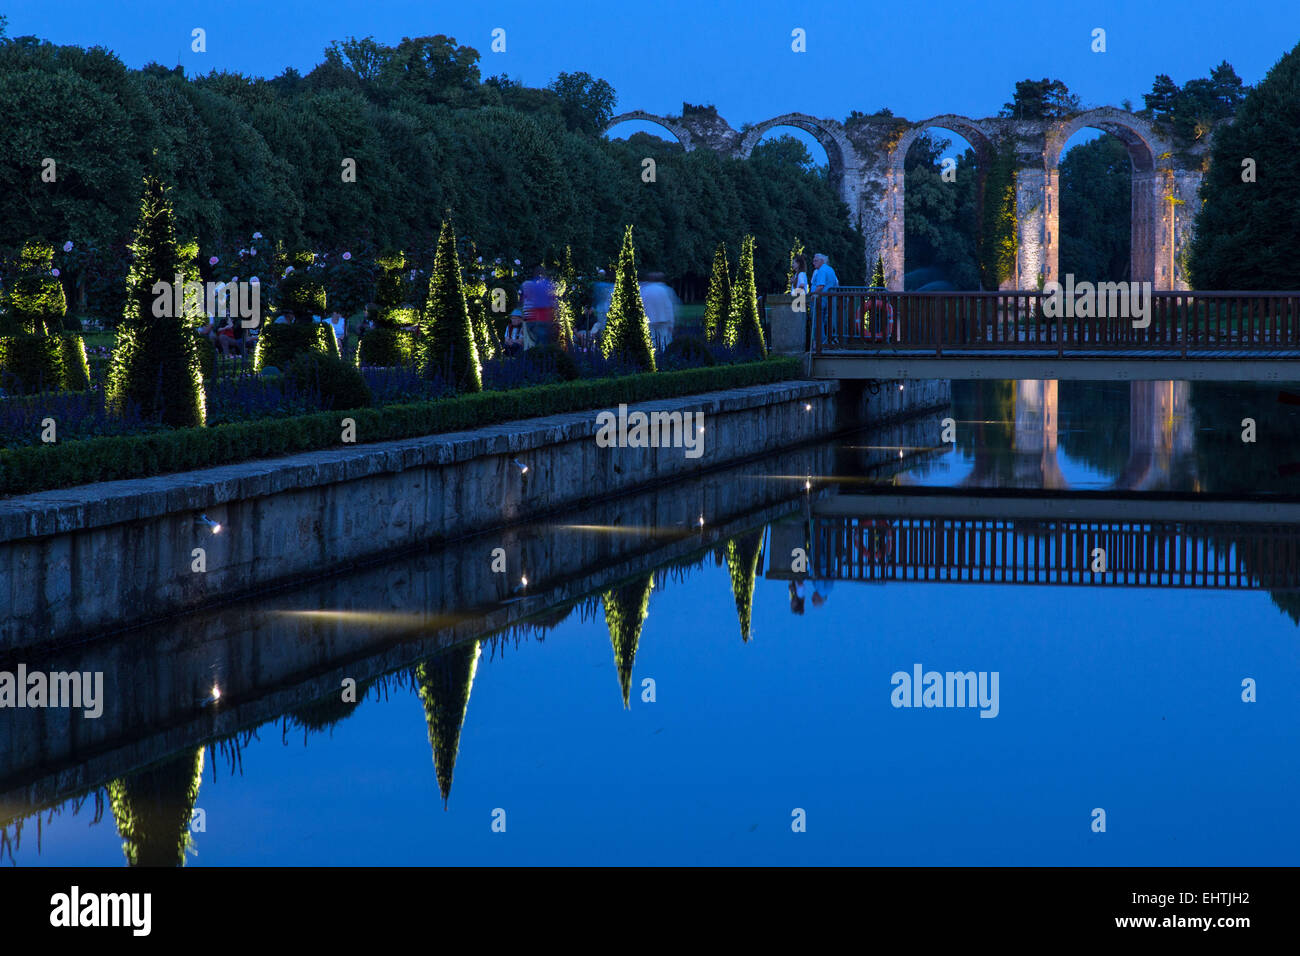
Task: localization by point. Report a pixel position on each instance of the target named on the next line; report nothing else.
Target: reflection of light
(645, 531)
(807, 406)
(377, 619)
(900, 387)
(213, 525)
(701, 521)
(900, 453)
(216, 692)
(523, 582)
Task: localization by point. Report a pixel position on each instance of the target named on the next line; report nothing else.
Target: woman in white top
(800, 275)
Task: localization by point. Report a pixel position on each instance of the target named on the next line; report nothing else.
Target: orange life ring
(882, 548)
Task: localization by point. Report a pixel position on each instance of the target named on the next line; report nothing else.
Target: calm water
(1124, 698)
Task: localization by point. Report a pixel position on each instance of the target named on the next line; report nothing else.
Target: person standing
(660, 309)
(800, 269)
(823, 281)
(537, 297)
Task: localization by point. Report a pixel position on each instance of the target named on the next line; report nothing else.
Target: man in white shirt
(823, 280)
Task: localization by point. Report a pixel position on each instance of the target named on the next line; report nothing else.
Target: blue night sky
(941, 57)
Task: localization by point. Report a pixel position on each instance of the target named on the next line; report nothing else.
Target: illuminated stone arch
(1151, 217)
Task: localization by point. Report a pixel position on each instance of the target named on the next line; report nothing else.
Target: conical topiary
(155, 364)
(717, 301)
(153, 808)
(625, 613)
(447, 347)
(565, 289)
(627, 330)
(878, 274)
(444, 684)
(35, 353)
(744, 329)
(743, 553)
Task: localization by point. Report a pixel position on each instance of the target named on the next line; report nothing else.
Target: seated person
(230, 337)
(516, 337)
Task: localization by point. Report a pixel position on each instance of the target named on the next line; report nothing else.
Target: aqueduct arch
(680, 133)
(867, 163)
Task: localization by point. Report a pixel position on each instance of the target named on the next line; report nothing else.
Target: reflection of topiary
(625, 613)
(448, 347)
(743, 553)
(717, 302)
(445, 683)
(627, 330)
(155, 364)
(153, 808)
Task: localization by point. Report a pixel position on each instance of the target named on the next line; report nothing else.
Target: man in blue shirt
(823, 280)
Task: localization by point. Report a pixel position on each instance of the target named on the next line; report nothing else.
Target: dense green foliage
(155, 363)
(301, 291)
(627, 329)
(524, 171)
(1095, 201)
(1246, 236)
(1041, 100)
(37, 468)
(447, 339)
(1190, 111)
(998, 233)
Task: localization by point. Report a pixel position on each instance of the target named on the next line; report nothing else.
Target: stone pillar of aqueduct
(866, 163)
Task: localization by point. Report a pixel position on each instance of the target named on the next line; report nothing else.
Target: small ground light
(900, 388)
(807, 406)
(701, 521)
(215, 526)
(523, 469)
(216, 696)
(523, 582)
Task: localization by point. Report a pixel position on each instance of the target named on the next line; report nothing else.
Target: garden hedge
(38, 468)
(278, 344)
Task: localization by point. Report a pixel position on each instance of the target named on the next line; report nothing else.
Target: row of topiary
(731, 307)
(39, 467)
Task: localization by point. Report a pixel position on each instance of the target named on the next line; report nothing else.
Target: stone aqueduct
(866, 164)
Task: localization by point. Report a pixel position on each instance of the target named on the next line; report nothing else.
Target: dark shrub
(339, 384)
(385, 346)
(688, 351)
(30, 363)
(301, 291)
(552, 358)
(278, 345)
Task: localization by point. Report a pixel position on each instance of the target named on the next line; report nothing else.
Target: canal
(737, 668)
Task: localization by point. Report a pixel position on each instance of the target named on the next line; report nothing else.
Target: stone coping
(84, 507)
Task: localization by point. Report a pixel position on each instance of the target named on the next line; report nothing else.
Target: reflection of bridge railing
(856, 318)
(992, 550)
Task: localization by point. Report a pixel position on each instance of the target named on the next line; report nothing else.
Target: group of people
(229, 336)
(534, 322)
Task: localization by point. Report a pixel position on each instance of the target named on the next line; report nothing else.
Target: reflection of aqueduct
(1161, 439)
(867, 164)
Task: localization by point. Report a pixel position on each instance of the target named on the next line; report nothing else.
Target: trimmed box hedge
(43, 467)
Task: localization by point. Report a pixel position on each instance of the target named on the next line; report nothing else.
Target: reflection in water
(153, 808)
(626, 608)
(444, 684)
(420, 625)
